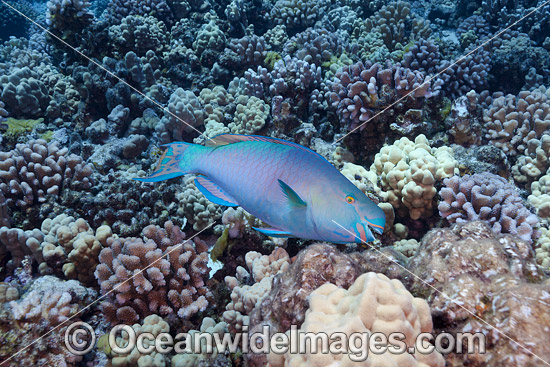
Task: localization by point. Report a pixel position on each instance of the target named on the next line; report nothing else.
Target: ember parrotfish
(288, 186)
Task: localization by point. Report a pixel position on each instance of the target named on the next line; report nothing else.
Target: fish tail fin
(170, 164)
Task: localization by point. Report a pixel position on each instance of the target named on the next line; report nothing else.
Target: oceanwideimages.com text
(356, 345)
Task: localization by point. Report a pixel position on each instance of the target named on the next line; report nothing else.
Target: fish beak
(364, 232)
(375, 227)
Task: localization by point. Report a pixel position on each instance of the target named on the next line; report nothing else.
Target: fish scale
(286, 185)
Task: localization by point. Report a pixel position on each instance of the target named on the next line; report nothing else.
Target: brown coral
(159, 273)
(483, 279)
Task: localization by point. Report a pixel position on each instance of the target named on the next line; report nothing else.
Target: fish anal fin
(169, 163)
(294, 200)
(213, 192)
(273, 232)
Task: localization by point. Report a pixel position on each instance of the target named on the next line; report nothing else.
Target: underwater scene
(269, 183)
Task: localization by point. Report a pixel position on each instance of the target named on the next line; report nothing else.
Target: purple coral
(173, 280)
(488, 197)
(36, 169)
(456, 77)
(249, 50)
(315, 46)
(118, 9)
(359, 91)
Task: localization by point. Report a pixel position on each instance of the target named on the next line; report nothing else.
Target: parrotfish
(286, 185)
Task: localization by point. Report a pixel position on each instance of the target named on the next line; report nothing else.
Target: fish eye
(350, 199)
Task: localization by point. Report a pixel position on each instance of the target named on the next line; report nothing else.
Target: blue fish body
(286, 185)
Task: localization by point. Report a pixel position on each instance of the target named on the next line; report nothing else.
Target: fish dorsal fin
(293, 199)
(225, 139)
(213, 192)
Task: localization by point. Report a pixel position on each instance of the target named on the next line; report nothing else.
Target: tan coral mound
(373, 303)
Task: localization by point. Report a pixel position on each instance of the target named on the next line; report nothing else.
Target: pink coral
(158, 273)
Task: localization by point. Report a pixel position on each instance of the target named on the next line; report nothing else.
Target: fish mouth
(364, 232)
(375, 227)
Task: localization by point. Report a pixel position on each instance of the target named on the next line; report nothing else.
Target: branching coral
(298, 14)
(24, 93)
(19, 244)
(159, 273)
(68, 15)
(215, 102)
(535, 161)
(315, 46)
(244, 298)
(118, 9)
(139, 34)
(542, 249)
(152, 325)
(511, 121)
(70, 247)
(490, 198)
(251, 115)
(249, 50)
(207, 353)
(358, 92)
(540, 196)
(184, 111)
(455, 77)
(34, 170)
(393, 21)
(210, 37)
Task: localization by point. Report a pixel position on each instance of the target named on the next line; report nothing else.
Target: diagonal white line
(106, 70)
(105, 295)
(430, 78)
(443, 294)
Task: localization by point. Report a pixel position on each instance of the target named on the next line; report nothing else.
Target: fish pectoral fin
(294, 200)
(274, 232)
(213, 192)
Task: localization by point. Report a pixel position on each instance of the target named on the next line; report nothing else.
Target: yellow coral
(17, 127)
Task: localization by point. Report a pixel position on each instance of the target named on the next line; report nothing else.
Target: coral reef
(408, 172)
(36, 321)
(477, 279)
(361, 91)
(159, 273)
(35, 170)
(373, 303)
(488, 197)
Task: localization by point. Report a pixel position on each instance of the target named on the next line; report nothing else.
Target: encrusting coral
(35, 321)
(477, 281)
